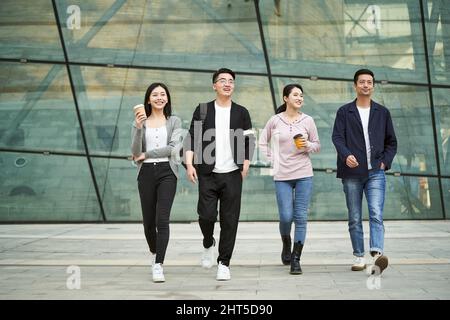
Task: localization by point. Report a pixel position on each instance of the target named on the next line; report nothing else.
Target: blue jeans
(373, 187)
(293, 197)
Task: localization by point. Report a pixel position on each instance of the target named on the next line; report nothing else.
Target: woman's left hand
(140, 158)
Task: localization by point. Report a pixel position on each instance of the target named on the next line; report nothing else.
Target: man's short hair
(222, 70)
(363, 71)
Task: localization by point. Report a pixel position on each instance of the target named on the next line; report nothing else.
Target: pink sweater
(288, 162)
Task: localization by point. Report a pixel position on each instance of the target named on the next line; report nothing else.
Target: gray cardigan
(174, 144)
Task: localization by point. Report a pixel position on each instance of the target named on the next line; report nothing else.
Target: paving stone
(114, 263)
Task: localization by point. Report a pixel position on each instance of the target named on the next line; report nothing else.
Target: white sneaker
(379, 263)
(359, 264)
(158, 274)
(223, 272)
(208, 257)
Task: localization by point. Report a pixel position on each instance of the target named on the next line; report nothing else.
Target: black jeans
(226, 187)
(157, 187)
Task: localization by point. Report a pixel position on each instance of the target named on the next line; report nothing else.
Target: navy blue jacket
(348, 138)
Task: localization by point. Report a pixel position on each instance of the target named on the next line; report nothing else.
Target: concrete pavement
(111, 261)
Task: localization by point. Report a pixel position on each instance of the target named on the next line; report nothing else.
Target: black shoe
(295, 258)
(286, 252)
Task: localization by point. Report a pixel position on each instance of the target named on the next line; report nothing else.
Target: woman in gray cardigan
(156, 140)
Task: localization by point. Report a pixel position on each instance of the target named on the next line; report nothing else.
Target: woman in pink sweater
(292, 168)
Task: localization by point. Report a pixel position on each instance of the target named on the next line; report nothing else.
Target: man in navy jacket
(365, 142)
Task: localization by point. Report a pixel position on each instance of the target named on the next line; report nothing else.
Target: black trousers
(226, 187)
(157, 186)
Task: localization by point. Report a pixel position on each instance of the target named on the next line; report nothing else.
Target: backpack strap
(203, 111)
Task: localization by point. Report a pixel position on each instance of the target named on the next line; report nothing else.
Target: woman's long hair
(286, 92)
(148, 108)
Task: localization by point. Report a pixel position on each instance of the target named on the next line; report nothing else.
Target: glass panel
(441, 99)
(438, 39)
(406, 198)
(184, 207)
(411, 114)
(106, 97)
(446, 189)
(28, 30)
(335, 38)
(258, 197)
(117, 185)
(328, 199)
(412, 198)
(37, 111)
(36, 187)
(206, 34)
(410, 111)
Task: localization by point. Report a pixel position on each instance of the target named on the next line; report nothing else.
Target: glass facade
(70, 73)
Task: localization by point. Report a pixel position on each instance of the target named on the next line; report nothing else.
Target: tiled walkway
(42, 261)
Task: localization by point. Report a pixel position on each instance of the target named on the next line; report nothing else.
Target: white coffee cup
(139, 109)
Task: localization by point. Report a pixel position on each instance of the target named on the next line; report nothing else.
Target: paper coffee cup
(140, 108)
(297, 140)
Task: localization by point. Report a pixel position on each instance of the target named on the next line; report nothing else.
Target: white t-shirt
(224, 157)
(156, 138)
(364, 114)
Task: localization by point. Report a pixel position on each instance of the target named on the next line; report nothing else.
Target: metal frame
(433, 116)
(77, 109)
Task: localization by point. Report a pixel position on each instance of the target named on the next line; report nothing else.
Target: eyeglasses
(224, 81)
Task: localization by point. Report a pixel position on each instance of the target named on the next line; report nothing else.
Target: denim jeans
(373, 187)
(293, 197)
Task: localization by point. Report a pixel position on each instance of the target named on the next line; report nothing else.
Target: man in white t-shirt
(223, 162)
(365, 141)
